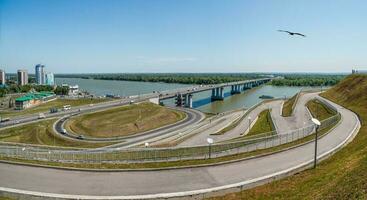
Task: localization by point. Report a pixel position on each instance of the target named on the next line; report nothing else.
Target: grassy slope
(262, 125)
(319, 110)
(125, 120)
(5, 198)
(40, 133)
(287, 107)
(342, 176)
(58, 103)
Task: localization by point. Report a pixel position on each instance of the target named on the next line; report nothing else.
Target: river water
(201, 101)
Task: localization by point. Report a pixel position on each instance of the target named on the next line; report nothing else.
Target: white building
(22, 77)
(74, 89)
(2, 77)
(50, 80)
(40, 74)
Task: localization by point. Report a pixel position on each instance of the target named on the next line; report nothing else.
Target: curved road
(300, 118)
(192, 117)
(147, 184)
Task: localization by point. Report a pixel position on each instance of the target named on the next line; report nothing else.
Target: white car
(41, 116)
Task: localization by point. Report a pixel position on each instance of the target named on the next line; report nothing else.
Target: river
(201, 101)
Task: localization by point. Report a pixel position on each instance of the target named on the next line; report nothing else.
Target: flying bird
(292, 33)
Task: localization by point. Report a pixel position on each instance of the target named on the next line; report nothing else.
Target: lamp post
(210, 142)
(317, 125)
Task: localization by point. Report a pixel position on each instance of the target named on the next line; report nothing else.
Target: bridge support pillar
(235, 89)
(188, 101)
(217, 94)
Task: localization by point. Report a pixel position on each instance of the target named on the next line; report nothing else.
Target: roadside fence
(141, 155)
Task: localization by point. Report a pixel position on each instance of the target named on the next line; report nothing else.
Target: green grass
(319, 110)
(125, 120)
(6, 198)
(343, 175)
(45, 107)
(288, 106)
(41, 133)
(262, 125)
(262, 128)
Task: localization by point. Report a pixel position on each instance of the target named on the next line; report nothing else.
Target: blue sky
(79, 36)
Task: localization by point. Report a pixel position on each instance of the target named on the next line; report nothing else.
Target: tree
(62, 90)
(3, 92)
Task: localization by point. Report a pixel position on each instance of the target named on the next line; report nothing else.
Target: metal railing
(139, 155)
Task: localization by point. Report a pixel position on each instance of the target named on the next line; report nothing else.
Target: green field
(288, 106)
(125, 120)
(319, 110)
(41, 133)
(5, 198)
(45, 107)
(262, 125)
(342, 176)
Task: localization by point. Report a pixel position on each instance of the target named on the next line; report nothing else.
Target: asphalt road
(171, 181)
(300, 118)
(192, 117)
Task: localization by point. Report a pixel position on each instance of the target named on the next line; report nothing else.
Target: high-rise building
(2, 77)
(50, 79)
(22, 77)
(40, 74)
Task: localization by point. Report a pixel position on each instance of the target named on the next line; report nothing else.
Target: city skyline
(190, 36)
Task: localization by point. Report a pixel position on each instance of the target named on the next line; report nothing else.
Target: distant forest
(308, 80)
(215, 78)
(189, 78)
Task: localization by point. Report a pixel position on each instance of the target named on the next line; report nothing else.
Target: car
(53, 110)
(80, 137)
(41, 116)
(5, 119)
(66, 107)
(63, 131)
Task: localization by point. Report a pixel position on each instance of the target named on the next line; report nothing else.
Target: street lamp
(210, 142)
(317, 124)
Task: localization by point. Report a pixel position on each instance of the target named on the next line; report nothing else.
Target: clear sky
(85, 36)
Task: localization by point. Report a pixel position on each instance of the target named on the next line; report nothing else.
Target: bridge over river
(183, 96)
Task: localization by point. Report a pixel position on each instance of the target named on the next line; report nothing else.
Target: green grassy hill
(342, 176)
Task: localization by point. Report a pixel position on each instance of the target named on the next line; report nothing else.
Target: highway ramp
(150, 183)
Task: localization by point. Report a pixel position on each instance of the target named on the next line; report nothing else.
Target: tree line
(184, 78)
(14, 88)
(307, 80)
